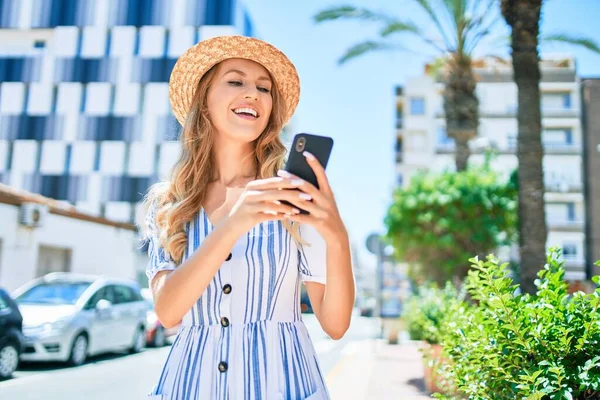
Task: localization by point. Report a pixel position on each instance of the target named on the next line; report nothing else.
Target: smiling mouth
(246, 112)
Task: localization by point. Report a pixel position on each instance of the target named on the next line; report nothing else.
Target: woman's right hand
(261, 201)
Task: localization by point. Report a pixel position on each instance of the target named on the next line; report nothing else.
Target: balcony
(566, 225)
(549, 147)
(511, 112)
(562, 186)
(560, 112)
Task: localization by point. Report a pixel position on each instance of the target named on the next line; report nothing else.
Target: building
(590, 89)
(422, 142)
(84, 110)
(39, 235)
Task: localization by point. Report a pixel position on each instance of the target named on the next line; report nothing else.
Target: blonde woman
(227, 257)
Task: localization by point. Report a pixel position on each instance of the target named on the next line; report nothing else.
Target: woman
(227, 257)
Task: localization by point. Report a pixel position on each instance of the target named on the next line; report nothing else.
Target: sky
(355, 103)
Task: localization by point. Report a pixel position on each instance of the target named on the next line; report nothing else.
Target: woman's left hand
(323, 211)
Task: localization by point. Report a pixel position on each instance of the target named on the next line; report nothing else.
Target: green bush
(424, 311)
(514, 346)
(440, 220)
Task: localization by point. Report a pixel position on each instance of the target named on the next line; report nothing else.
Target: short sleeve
(312, 257)
(159, 260)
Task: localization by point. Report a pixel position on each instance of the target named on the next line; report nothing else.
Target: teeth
(245, 110)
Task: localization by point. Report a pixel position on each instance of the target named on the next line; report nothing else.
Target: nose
(251, 94)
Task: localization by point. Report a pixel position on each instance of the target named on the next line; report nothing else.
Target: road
(122, 376)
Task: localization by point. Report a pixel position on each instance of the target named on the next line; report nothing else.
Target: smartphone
(319, 146)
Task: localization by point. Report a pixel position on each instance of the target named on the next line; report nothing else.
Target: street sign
(373, 243)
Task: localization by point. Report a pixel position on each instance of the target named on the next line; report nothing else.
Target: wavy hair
(176, 200)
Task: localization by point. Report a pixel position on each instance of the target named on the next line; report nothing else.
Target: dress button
(227, 289)
(225, 322)
(222, 366)
(228, 257)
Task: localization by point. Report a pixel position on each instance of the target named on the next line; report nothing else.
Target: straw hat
(198, 59)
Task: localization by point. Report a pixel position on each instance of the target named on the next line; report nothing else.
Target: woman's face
(239, 99)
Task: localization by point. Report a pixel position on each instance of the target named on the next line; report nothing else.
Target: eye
(235, 83)
(264, 89)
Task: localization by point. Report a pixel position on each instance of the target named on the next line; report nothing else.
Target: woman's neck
(234, 163)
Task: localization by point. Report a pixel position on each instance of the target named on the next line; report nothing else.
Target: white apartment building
(422, 142)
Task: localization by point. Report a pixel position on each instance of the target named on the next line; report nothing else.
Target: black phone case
(319, 146)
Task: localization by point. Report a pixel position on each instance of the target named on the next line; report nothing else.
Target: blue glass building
(84, 109)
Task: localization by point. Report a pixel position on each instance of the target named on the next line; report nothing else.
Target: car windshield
(54, 293)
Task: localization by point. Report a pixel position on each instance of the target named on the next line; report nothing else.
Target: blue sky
(354, 103)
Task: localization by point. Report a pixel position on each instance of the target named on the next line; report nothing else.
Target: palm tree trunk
(524, 18)
(461, 107)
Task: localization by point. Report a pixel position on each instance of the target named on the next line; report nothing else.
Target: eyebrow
(237, 71)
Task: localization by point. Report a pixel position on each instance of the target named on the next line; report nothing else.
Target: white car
(68, 317)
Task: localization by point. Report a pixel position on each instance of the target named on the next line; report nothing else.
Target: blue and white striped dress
(245, 338)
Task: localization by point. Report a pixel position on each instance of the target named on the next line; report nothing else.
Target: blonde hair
(177, 200)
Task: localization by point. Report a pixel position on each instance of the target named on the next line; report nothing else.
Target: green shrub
(514, 346)
(424, 311)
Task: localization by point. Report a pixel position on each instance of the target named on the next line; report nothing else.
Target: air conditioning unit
(32, 215)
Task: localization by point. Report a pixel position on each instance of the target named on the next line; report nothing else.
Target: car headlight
(54, 326)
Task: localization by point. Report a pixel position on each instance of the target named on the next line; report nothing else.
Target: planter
(431, 360)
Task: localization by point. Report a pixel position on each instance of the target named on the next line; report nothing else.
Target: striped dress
(245, 338)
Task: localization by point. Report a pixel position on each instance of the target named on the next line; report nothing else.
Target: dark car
(11, 335)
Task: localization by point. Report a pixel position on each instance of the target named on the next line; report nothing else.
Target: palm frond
(399, 27)
(587, 43)
(349, 12)
(428, 8)
(366, 47)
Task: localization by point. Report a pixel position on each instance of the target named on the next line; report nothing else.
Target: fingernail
(297, 182)
(277, 202)
(283, 173)
(308, 155)
(270, 212)
(296, 211)
(305, 196)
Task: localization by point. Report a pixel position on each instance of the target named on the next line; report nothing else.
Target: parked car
(305, 306)
(68, 317)
(11, 336)
(156, 333)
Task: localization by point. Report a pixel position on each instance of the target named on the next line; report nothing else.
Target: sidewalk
(373, 369)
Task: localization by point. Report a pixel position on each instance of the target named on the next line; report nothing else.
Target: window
(556, 100)
(3, 303)
(54, 293)
(417, 106)
(442, 137)
(123, 294)
(569, 251)
(571, 211)
(102, 294)
(39, 44)
(557, 137)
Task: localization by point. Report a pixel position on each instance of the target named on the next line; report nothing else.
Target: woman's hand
(323, 211)
(261, 201)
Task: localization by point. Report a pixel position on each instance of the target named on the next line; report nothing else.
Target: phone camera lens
(300, 144)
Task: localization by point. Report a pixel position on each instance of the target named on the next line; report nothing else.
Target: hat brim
(198, 59)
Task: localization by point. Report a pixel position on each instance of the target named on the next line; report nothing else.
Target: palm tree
(460, 28)
(523, 16)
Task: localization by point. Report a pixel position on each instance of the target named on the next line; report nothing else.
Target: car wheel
(138, 341)
(159, 339)
(78, 350)
(9, 360)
